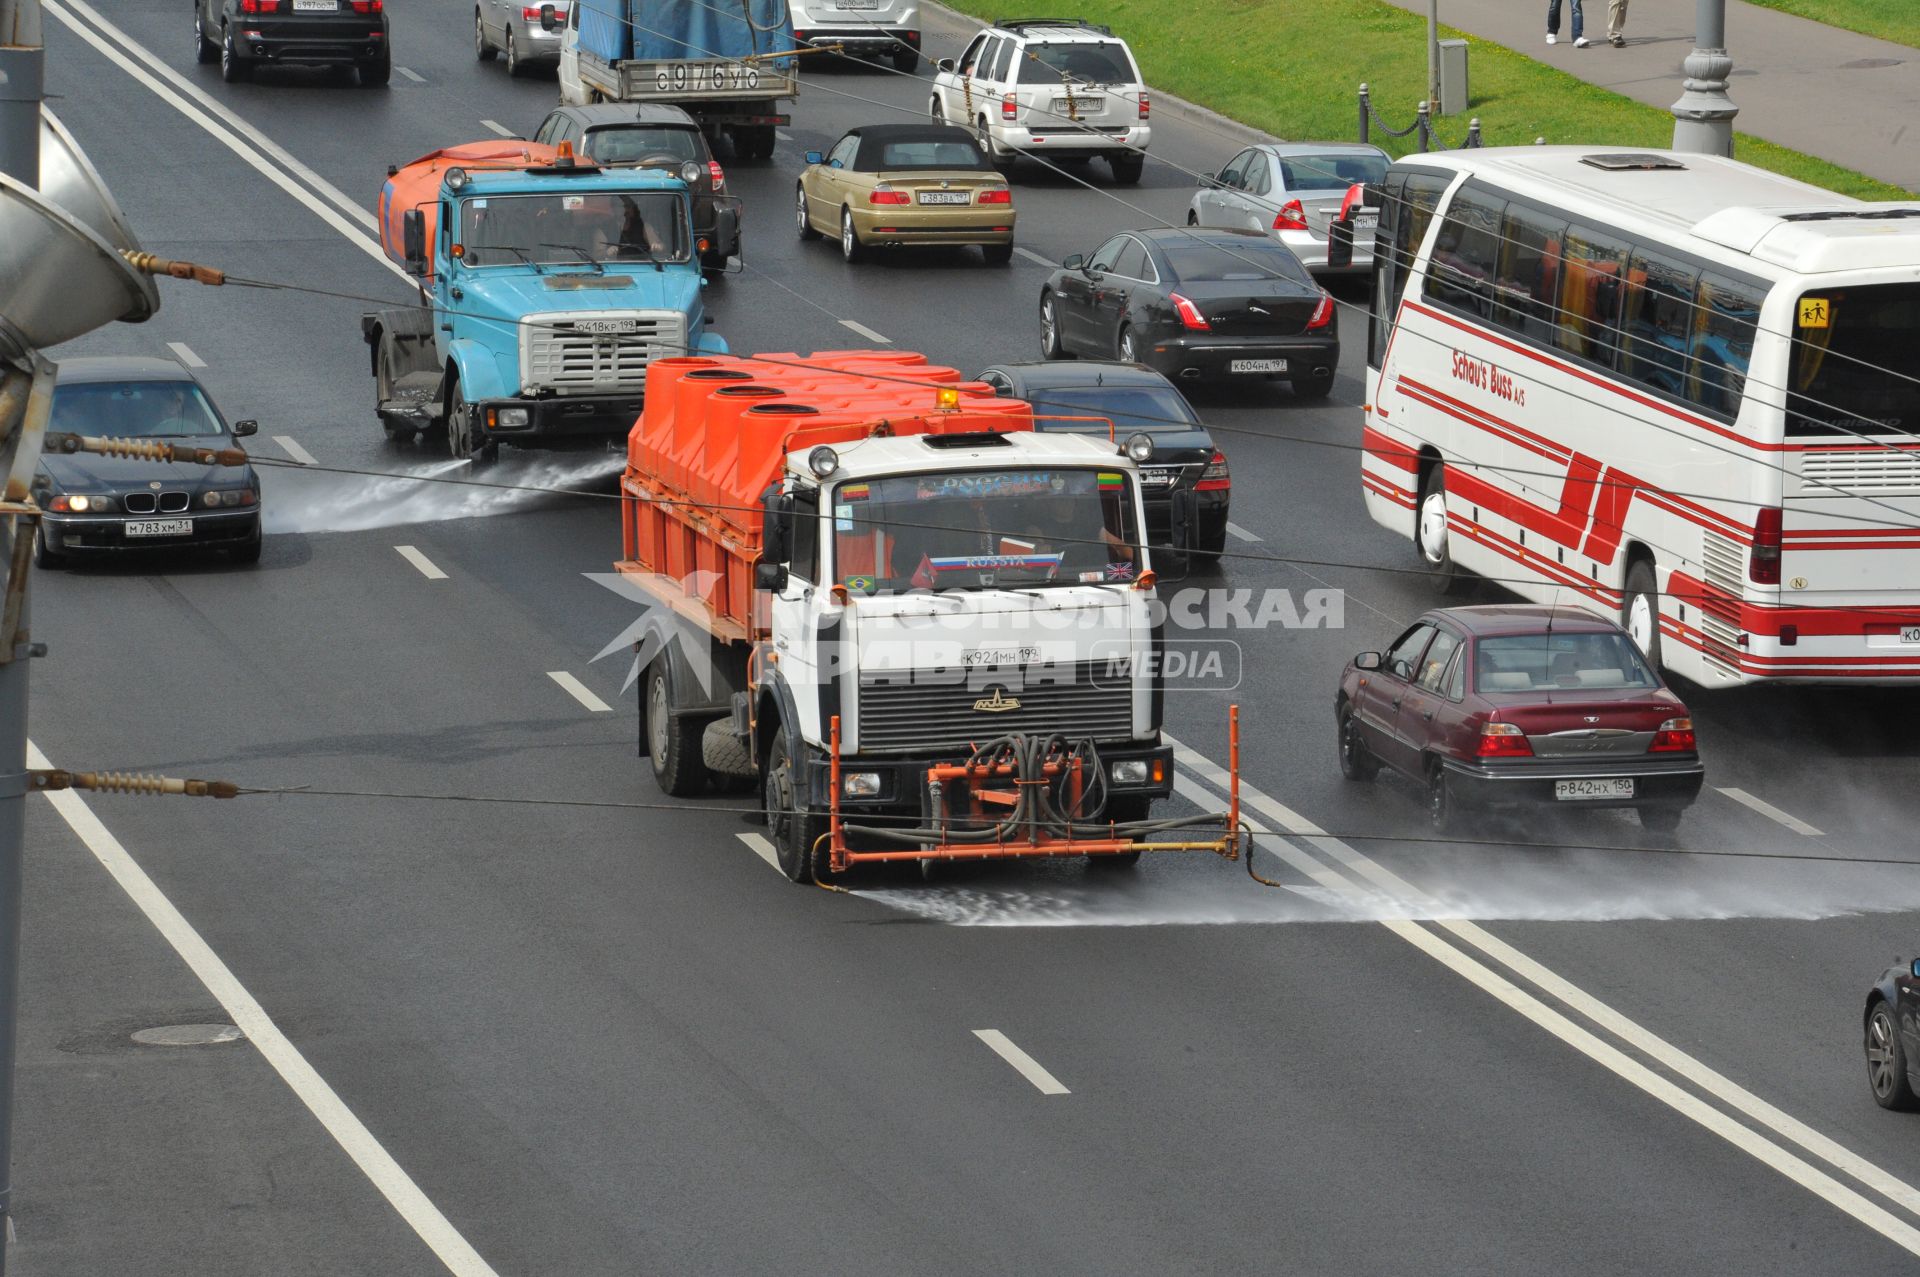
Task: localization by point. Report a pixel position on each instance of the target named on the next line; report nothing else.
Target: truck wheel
(792, 828)
(800, 217)
(463, 440)
(481, 49)
(850, 246)
(672, 744)
(1122, 811)
(1640, 611)
(1431, 535)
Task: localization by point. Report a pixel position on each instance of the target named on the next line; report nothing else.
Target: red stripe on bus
(1390, 450)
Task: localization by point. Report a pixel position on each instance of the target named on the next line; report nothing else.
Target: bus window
(1410, 199)
(1851, 350)
(1723, 342)
(1466, 249)
(1529, 271)
(1590, 273)
(1657, 318)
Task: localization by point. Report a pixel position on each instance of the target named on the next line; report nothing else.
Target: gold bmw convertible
(889, 184)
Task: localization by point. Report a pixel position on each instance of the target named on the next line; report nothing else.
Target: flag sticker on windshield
(1112, 480)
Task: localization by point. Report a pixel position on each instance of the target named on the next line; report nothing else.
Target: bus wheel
(1431, 535)
(1640, 611)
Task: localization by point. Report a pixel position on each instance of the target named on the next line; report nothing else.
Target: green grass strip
(1292, 69)
(1896, 20)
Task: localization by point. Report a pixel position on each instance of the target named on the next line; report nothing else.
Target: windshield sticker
(982, 485)
(1814, 312)
(1109, 482)
(991, 562)
(843, 518)
(573, 201)
(1089, 577)
(1119, 571)
(476, 203)
(861, 584)
(855, 491)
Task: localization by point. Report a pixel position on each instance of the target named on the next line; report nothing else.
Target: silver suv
(879, 29)
(1049, 88)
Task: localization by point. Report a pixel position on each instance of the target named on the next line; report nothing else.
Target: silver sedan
(1291, 191)
(515, 28)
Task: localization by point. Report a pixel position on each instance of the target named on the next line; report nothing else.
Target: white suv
(863, 28)
(1049, 87)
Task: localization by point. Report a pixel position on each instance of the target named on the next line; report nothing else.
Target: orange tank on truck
(417, 185)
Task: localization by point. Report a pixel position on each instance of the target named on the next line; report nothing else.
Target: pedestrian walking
(1616, 22)
(1580, 40)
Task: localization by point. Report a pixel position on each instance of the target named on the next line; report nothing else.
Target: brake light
(1189, 313)
(260, 6)
(1763, 565)
(1291, 217)
(1323, 313)
(1215, 477)
(1008, 106)
(884, 194)
(1503, 740)
(718, 174)
(994, 195)
(1674, 737)
(365, 7)
(1144, 104)
(532, 12)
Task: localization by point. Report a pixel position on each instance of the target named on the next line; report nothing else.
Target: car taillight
(1008, 107)
(718, 174)
(1503, 740)
(1291, 217)
(260, 6)
(1674, 737)
(365, 7)
(1323, 313)
(884, 194)
(1763, 565)
(1189, 313)
(994, 195)
(1144, 104)
(1216, 476)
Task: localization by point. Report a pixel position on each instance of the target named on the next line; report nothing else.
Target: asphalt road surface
(494, 1035)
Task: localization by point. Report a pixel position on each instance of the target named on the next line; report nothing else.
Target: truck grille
(937, 711)
(559, 352)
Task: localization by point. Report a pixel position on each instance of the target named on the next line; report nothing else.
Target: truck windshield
(508, 230)
(985, 529)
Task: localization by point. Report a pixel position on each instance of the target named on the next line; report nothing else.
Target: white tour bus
(1673, 388)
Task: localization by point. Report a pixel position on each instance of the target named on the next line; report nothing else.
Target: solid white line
(294, 450)
(1771, 812)
(185, 354)
(415, 76)
(212, 105)
(1241, 532)
(763, 848)
(1657, 1048)
(348, 1131)
(783, 135)
(498, 127)
(421, 561)
(1024, 1064)
(1032, 256)
(579, 691)
(330, 216)
(866, 332)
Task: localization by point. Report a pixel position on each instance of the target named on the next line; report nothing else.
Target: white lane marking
(1241, 532)
(415, 76)
(497, 127)
(783, 135)
(1771, 812)
(421, 561)
(866, 332)
(1028, 1067)
(184, 353)
(212, 105)
(763, 848)
(579, 691)
(1656, 1047)
(294, 450)
(330, 216)
(301, 1078)
(1032, 256)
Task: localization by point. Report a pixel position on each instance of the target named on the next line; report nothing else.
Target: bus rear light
(1322, 314)
(1503, 740)
(1291, 217)
(1674, 737)
(1763, 564)
(1216, 477)
(1789, 635)
(1189, 313)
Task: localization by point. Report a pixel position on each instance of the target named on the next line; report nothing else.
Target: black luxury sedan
(96, 505)
(1892, 1023)
(1137, 400)
(1196, 303)
(241, 34)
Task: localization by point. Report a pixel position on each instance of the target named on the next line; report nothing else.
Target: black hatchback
(242, 34)
(1892, 1025)
(1137, 400)
(1199, 305)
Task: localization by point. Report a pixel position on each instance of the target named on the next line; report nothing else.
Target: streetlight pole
(1703, 117)
(1433, 57)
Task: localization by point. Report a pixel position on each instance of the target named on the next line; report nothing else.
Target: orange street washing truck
(925, 630)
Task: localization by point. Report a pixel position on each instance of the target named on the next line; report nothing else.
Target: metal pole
(1433, 54)
(1703, 117)
(22, 85)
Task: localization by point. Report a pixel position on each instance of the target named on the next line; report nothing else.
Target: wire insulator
(149, 264)
(130, 783)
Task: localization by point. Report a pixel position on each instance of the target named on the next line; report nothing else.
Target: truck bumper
(544, 422)
(903, 781)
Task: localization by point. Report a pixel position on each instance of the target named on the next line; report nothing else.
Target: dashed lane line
(1771, 812)
(184, 353)
(1242, 533)
(415, 76)
(294, 450)
(866, 332)
(579, 691)
(762, 846)
(1025, 1065)
(421, 561)
(497, 127)
(1032, 256)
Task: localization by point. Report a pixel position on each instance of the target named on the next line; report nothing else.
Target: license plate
(709, 77)
(315, 6)
(608, 325)
(1366, 221)
(160, 528)
(856, 4)
(1079, 104)
(1910, 634)
(1577, 791)
(1257, 365)
(1157, 478)
(946, 197)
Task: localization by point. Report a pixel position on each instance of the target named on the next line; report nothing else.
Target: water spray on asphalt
(318, 501)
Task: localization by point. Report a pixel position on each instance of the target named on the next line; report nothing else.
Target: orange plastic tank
(417, 185)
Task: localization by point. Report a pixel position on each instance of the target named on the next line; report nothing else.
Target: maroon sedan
(1520, 706)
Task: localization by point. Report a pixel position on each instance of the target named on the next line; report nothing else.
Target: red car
(1520, 706)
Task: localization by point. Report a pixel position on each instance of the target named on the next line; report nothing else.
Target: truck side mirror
(413, 240)
(1340, 242)
(770, 576)
(1373, 195)
(549, 20)
(776, 540)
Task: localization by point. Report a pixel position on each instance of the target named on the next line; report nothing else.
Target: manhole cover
(1869, 64)
(188, 1035)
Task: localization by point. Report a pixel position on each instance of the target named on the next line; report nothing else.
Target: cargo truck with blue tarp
(728, 63)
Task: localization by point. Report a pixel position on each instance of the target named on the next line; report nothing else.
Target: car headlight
(228, 497)
(81, 503)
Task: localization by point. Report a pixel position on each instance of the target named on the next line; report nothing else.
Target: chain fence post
(1424, 127)
(1365, 110)
(1473, 132)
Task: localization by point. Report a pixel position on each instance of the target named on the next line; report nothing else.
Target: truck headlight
(860, 784)
(1131, 772)
(511, 418)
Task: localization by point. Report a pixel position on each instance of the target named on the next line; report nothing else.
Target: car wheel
(515, 67)
(997, 254)
(1356, 762)
(1308, 386)
(1887, 1062)
(673, 744)
(800, 213)
(906, 58)
(850, 246)
(1640, 611)
(44, 556)
(1442, 811)
(1432, 536)
(1127, 166)
(481, 49)
(1050, 344)
(790, 827)
(1126, 348)
(1002, 160)
(376, 74)
(1660, 820)
(204, 50)
(233, 67)
(934, 112)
